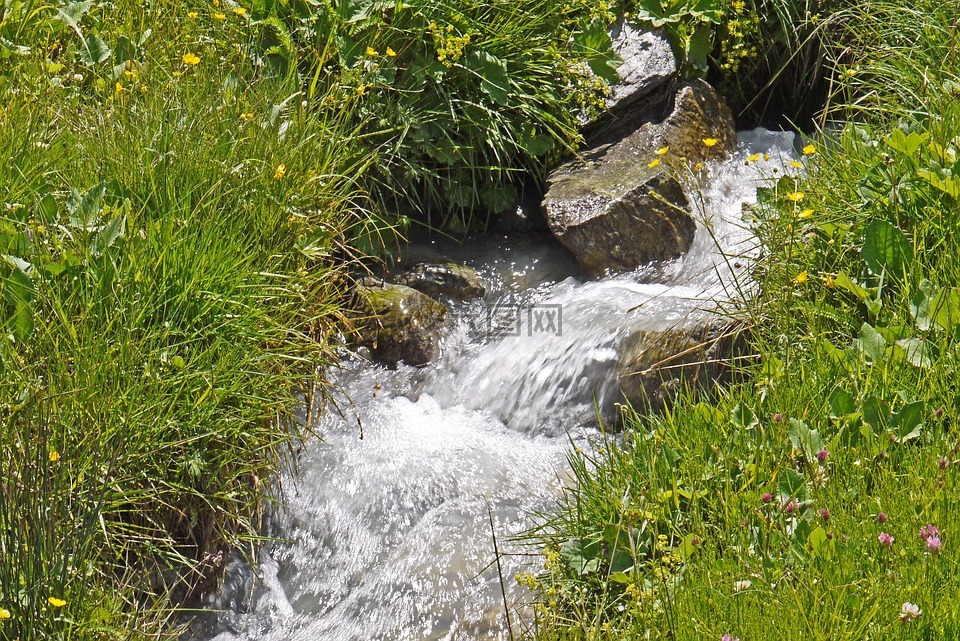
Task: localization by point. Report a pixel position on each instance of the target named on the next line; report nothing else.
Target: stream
(387, 530)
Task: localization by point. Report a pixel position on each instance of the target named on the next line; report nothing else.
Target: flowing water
(387, 531)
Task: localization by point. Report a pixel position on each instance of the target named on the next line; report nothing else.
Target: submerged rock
(614, 210)
(654, 365)
(443, 279)
(403, 324)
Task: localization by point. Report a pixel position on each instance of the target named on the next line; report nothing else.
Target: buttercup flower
(795, 196)
(801, 278)
(280, 172)
(220, 16)
(809, 150)
(662, 150)
(754, 158)
(54, 456)
(653, 163)
(910, 611)
(390, 52)
(239, 11)
(57, 603)
(710, 142)
(371, 51)
(805, 214)
(192, 14)
(191, 59)
(794, 163)
(4, 614)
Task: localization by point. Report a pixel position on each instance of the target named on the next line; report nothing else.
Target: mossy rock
(443, 279)
(402, 324)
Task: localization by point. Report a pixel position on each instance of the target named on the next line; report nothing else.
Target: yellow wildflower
(143, 89)
(662, 151)
(119, 88)
(699, 165)
(794, 163)
(710, 142)
(654, 163)
(280, 172)
(766, 157)
(247, 116)
(176, 74)
(220, 16)
(829, 281)
(4, 614)
(806, 213)
(801, 278)
(191, 59)
(192, 14)
(371, 51)
(57, 603)
(809, 150)
(129, 73)
(795, 196)
(54, 456)
(391, 52)
(239, 11)
(754, 158)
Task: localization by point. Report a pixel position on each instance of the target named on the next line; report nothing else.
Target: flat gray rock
(648, 63)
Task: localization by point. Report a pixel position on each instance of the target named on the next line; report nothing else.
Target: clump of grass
(173, 238)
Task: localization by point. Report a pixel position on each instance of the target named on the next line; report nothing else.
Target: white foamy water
(385, 532)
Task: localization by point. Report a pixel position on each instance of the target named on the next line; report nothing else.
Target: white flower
(910, 611)
(740, 586)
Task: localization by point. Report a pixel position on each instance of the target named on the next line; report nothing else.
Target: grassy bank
(794, 506)
(186, 189)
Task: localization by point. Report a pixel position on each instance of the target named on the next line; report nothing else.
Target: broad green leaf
(95, 50)
(876, 413)
(908, 422)
(885, 248)
(492, 71)
(871, 343)
(842, 403)
(916, 351)
(844, 282)
(906, 143)
(792, 484)
(805, 439)
(85, 209)
(744, 417)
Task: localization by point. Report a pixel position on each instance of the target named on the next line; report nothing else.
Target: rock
(648, 63)
(403, 324)
(654, 364)
(614, 211)
(443, 279)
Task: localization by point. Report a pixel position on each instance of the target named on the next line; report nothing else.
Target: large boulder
(443, 279)
(610, 207)
(402, 324)
(655, 364)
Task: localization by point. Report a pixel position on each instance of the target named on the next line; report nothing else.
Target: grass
(759, 514)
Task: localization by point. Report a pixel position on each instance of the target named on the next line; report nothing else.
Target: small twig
(503, 588)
